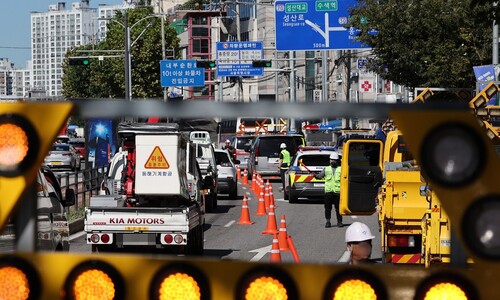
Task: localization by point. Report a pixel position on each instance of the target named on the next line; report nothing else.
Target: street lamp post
(127, 52)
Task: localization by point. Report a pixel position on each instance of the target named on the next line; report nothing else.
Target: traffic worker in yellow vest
(331, 174)
(284, 163)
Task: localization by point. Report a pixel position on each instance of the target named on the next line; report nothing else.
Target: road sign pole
(324, 60)
(292, 86)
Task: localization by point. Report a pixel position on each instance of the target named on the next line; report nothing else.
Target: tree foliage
(106, 78)
(425, 42)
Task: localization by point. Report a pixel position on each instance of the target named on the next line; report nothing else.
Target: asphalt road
(305, 223)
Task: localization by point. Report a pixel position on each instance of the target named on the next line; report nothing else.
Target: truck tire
(285, 195)
(209, 203)
(292, 198)
(200, 241)
(214, 201)
(233, 194)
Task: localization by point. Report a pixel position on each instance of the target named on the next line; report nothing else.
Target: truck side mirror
(69, 199)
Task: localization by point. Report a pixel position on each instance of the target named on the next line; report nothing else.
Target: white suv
(226, 173)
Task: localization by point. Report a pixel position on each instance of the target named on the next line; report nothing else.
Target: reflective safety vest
(329, 184)
(336, 180)
(286, 159)
(332, 179)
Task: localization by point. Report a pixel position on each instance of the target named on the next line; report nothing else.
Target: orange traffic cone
(271, 222)
(295, 255)
(245, 177)
(266, 195)
(275, 250)
(238, 172)
(282, 235)
(254, 182)
(245, 215)
(271, 196)
(261, 207)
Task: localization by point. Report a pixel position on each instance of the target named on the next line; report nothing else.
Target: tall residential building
(6, 70)
(52, 34)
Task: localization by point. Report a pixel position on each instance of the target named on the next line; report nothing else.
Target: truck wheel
(233, 194)
(292, 198)
(214, 202)
(200, 241)
(285, 195)
(209, 204)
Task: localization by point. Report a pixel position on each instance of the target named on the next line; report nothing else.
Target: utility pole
(324, 90)
(127, 58)
(163, 54)
(495, 35)
(238, 37)
(292, 86)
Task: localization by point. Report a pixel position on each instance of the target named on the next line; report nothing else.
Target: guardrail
(85, 182)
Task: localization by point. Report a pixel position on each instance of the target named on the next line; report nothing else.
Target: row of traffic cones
(282, 242)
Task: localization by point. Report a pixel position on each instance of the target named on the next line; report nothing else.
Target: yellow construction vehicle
(384, 178)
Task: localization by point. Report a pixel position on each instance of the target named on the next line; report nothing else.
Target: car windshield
(221, 158)
(242, 142)
(60, 147)
(77, 144)
(203, 151)
(314, 160)
(271, 146)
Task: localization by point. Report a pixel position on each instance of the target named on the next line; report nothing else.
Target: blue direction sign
(314, 25)
(181, 73)
(235, 58)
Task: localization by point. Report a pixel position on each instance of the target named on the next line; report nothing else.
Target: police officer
(284, 163)
(331, 174)
(358, 238)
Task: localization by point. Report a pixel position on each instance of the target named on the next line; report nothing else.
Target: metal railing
(86, 183)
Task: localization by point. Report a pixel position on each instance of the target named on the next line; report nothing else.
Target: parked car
(53, 224)
(79, 145)
(299, 179)
(62, 139)
(264, 154)
(299, 139)
(63, 156)
(226, 173)
(240, 143)
(205, 155)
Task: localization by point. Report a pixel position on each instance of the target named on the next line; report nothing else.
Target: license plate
(56, 162)
(319, 185)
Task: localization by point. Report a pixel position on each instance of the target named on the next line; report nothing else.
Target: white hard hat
(358, 232)
(283, 146)
(334, 155)
(228, 141)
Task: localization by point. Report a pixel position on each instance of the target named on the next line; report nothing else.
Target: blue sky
(15, 26)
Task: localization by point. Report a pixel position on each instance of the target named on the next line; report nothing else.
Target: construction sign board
(157, 160)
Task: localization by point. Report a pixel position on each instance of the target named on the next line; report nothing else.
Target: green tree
(106, 78)
(425, 42)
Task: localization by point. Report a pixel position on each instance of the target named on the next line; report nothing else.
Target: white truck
(148, 203)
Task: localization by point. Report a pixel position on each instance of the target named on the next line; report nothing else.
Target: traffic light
(205, 64)
(262, 64)
(79, 61)
(26, 133)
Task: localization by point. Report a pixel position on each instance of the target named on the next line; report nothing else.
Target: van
(255, 125)
(265, 151)
(241, 145)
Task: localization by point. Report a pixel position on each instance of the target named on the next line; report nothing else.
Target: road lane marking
(230, 223)
(76, 235)
(261, 252)
(345, 257)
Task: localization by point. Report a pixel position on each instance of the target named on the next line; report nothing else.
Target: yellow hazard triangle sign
(157, 160)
